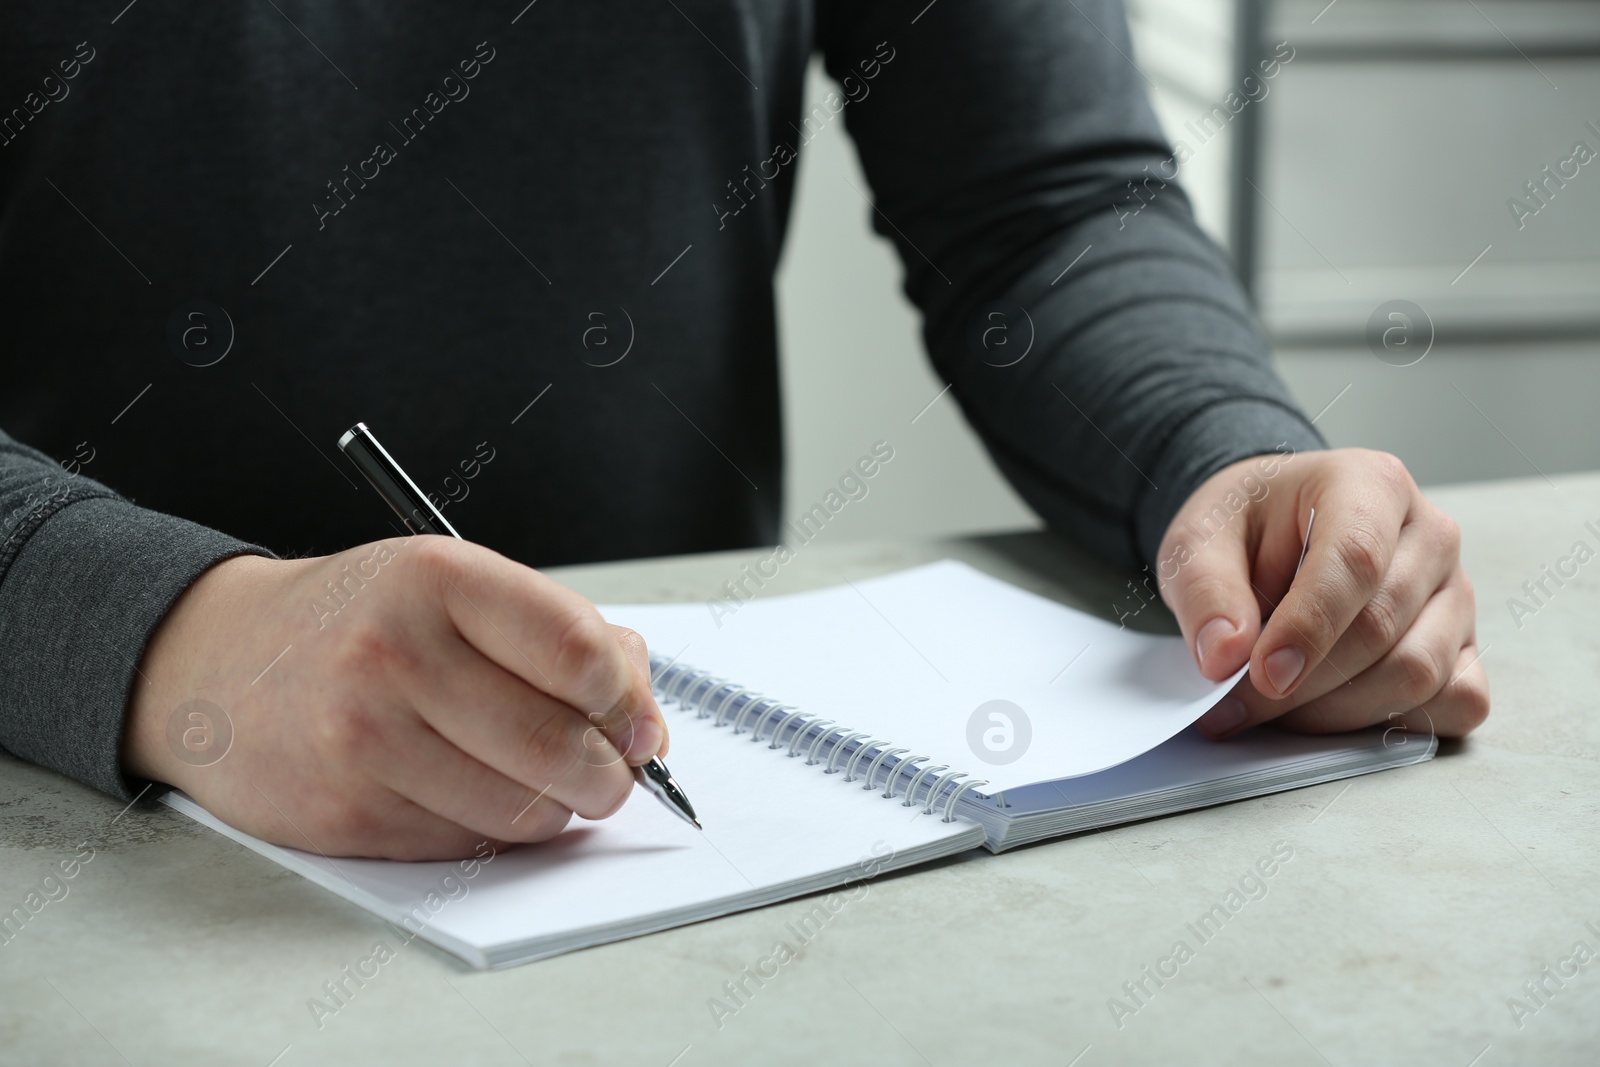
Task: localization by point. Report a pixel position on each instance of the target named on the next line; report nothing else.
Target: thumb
(638, 654)
(1205, 580)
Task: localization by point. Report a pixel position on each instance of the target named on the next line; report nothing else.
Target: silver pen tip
(655, 777)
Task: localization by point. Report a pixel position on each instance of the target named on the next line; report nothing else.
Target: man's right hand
(407, 699)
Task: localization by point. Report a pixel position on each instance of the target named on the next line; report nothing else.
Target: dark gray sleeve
(85, 577)
(1004, 141)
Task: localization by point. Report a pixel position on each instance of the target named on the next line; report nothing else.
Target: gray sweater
(228, 231)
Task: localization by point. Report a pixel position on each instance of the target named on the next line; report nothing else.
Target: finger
(1411, 675)
(1460, 707)
(414, 834)
(437, 776)
(1425, 560)
(639, 658)
(1205, 580)
(1351, 549)
(520, 732)
(380, 824)
(1454, 710)
(547, 635)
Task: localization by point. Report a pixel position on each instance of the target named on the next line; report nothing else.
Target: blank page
(774, 828)
(911, 656)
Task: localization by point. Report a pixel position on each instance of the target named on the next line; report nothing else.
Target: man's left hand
(1378, 625)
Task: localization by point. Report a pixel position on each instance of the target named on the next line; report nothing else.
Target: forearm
(1147, 375)
(1020, 172)
(85, 577)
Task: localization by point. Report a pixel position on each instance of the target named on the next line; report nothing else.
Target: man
(230, 231)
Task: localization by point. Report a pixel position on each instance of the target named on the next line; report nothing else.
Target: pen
(421, 517)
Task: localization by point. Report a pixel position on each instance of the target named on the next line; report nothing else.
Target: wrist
(1222, 501)
(191, 655)
(1227, 433)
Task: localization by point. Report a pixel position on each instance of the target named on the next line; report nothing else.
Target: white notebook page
(910, 657)
(774, 828)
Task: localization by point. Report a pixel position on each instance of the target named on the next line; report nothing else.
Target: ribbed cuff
(1215, 436)
(80, 601)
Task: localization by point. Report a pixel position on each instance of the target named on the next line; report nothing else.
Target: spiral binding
(728, 703)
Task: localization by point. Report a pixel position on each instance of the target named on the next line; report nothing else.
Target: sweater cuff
(82, 597)
(1210, 439)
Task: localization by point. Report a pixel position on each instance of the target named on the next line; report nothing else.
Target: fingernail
(1210, 635)
(1227, 715)
(646, 739)
(1284, 666)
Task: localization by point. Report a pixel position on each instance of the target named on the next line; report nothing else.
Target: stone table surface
(1415, 907)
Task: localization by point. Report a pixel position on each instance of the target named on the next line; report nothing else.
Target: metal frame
(1251, 20)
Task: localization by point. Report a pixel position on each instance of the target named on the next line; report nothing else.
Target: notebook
(827, 737)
